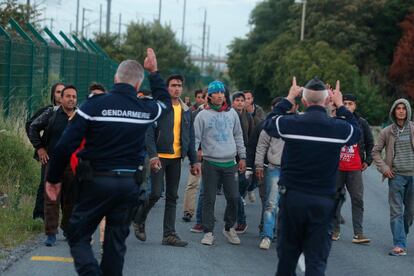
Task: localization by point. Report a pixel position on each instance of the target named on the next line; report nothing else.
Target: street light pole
(302, 29)
(159, 11)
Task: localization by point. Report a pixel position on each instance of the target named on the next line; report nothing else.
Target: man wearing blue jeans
(398, 167)
(272, 149)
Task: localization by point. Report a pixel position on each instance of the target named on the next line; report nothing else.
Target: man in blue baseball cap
(218, 131)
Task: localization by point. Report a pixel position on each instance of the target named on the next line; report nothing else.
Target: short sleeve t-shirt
(350, 159)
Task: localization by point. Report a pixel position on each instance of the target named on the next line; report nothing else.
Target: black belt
(114, 173)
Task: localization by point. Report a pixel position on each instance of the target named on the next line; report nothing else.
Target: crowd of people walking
(110, 160)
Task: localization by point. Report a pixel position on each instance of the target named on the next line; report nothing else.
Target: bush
(19, 178)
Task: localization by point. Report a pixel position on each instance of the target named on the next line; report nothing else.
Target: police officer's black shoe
(139, 231)
(174, 240)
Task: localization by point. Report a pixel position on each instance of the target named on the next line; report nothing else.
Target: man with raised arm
(310, 159)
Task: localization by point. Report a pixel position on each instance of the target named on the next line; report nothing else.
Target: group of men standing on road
(302, 162)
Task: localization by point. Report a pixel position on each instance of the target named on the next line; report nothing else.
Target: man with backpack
(53, 122)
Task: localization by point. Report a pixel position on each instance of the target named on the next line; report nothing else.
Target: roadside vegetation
(19, 178)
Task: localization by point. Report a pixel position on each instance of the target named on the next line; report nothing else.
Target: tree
(402, 68)
(20, 12)
(172, 57)
(349, 40)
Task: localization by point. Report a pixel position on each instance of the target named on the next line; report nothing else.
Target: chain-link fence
(30, 62)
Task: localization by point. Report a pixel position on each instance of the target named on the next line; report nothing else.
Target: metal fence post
(6, 100)
(26, 37)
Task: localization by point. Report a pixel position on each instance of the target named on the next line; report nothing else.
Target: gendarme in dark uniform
(113, 126)
(310, 160)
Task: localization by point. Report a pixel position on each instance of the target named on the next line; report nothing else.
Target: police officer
(113, 125)
(310, 159)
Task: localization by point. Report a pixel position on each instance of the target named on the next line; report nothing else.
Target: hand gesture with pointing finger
(150, 62)
(294, 91)
(336, 96)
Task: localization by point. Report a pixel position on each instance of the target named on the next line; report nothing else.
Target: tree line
(368, 45)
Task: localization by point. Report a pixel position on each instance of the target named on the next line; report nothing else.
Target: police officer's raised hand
(294, 91)
(53, 190)
(43, 156)
(195, 169)
(336, 96)
(150, 62)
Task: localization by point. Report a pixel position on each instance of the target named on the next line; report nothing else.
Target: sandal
(398, 251)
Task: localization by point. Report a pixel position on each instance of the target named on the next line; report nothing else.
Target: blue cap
(216, 87)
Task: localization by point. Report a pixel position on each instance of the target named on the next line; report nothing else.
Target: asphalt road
(152, 258)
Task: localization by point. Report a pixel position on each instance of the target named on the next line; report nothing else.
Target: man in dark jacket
(258, 116)
(113, 125)
(171, 140)
(53, 122)
(55, 99)
(310, 159)
(353, 161)
(246, 122)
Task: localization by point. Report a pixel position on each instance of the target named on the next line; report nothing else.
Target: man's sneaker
(360, 239)
(335, 236)
(50, 240)
(174, 240)
(231, 236)
(208, 239)
(398, 251)
(197, 228)
(139, 231)
(251, 196)
(187, 217)
(265, 243)
(241, 228)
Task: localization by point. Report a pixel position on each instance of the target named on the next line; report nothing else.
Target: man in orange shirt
(168, 142)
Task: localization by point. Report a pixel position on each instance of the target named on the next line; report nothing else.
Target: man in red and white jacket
(354, 160)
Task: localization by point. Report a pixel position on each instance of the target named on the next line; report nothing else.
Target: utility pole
(208, 42)
(77, 17)
(119, 28)
(108, 17)
(159, 11)
(182, 35)
(100, 19)
(218, 59)
(204, 41)
(51, 24)
(302, 29)
(28, 11)
(70, 27)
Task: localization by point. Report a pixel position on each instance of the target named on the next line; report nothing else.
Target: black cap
(315, 84)
(349, 97)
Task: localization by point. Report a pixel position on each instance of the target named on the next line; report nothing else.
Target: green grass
(17, 224)
(19, 178)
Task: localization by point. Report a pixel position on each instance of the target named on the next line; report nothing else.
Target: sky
(227, 19)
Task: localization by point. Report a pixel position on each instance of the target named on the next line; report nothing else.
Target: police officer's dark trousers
(304, 227)
(110, 196)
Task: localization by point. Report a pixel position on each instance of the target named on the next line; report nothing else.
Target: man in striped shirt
(398, 167)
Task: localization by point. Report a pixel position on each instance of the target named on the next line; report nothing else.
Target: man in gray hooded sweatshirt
(398, 167)
(217, 128)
